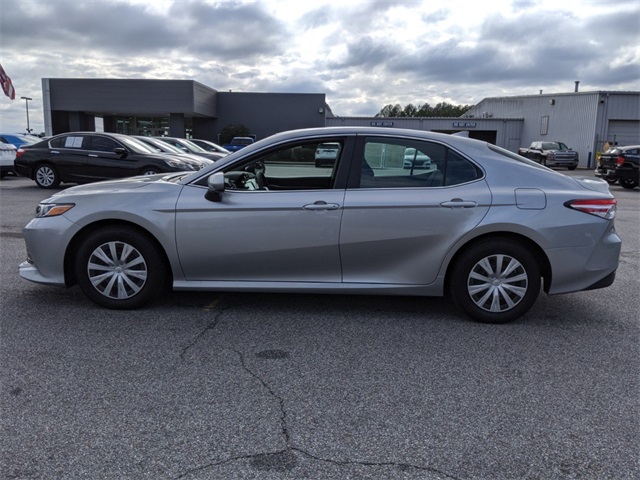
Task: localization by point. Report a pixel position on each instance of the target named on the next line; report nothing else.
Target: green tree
(442, 109)
(231, 131)
(390, 111)
(409, 111)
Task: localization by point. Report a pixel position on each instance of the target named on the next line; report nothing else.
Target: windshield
(136, 145)
(554, 146)
(192, 146)
(162, 146)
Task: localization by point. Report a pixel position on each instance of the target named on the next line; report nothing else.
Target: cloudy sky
(362, 54)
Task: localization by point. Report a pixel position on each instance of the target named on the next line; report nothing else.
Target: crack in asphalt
(283, 411)
(211, 326)
(284, 459)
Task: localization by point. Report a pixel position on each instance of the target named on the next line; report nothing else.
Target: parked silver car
(484, 225)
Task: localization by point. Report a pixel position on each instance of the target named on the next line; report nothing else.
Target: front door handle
(321, 205)
(459, 203)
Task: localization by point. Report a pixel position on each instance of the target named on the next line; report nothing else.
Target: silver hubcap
(117, 270)
(45, 176)
(497, 283)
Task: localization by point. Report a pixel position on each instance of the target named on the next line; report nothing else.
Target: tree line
(442, 109)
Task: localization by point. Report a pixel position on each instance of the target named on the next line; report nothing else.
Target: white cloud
(362, 54)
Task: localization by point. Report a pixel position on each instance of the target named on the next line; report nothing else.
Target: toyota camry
(483, 225)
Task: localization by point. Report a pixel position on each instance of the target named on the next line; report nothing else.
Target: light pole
(26, 102)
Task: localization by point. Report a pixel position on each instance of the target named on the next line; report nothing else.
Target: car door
(68, 154)
(398, 224)
(102, 162)
(280, 224)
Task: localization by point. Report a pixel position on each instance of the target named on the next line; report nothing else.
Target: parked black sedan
(83, 157)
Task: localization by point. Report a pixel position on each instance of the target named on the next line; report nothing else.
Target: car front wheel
(119, 268)
(46, 176)
(495, 281)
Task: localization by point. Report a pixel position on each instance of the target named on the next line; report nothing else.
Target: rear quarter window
(513, 156)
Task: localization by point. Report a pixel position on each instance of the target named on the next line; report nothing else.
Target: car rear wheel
(46, 176)
(119, 268)
(628, 183)
(150, 171)
(495, 281)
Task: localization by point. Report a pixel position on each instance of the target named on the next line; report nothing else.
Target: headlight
(53, 209)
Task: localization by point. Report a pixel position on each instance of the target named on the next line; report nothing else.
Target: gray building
(180, 108)
(585, 121)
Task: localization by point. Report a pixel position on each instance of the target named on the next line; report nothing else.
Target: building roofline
(593, 92)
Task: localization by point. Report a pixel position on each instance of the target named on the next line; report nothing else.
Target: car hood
(115, 186)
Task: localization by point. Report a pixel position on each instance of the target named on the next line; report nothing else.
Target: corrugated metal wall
(507, 130)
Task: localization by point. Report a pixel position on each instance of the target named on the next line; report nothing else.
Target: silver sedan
(486, 226)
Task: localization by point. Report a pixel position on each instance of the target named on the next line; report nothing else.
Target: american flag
(7, 86)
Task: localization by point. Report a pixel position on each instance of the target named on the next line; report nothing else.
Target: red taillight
(19, 152)
(602, 207)
(620, 160)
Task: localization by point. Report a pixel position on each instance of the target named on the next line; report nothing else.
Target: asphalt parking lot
(272, 386)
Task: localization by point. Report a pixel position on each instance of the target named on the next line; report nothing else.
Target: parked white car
(7, 156)
(415, 159)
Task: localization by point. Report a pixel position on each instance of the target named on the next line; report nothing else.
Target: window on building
(544, 125)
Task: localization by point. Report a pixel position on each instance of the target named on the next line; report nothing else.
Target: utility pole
(26, 102)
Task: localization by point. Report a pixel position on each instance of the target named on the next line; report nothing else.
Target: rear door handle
(321, 205)
(459, 203)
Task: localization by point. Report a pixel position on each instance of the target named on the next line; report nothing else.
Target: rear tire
(495, 280)
(628, 183)
(119, 268)
(46, 176)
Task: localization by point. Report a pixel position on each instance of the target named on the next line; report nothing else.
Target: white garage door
(624, 132)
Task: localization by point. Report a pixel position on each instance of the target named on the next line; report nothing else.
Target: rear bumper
(617, 173)
(585, 268)
(22, 170)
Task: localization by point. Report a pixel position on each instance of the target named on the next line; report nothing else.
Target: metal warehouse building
(583, 120)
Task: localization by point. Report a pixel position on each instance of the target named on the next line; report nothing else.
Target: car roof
(452, 140)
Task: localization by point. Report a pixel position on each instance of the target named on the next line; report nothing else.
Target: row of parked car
(82, 157)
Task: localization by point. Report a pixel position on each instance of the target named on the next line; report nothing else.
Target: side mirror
(215, 187)
(120, 151)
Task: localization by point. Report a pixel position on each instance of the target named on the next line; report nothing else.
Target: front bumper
(46, 240)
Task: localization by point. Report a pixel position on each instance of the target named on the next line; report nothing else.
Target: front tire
(495, 281)
(628, 183)
(119, 268)
(46, 176)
